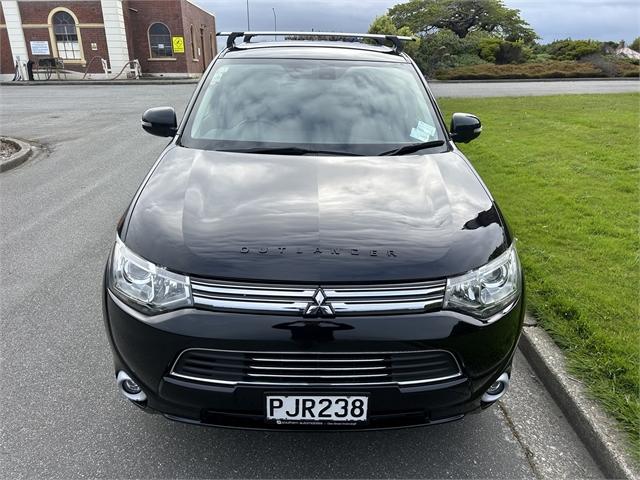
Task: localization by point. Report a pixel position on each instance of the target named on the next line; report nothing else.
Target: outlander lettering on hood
(376, 252)
(312, 250)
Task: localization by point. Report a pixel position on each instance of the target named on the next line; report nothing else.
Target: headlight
(487, 290)
(144, 285)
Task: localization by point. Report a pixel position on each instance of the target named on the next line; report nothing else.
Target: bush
(599, 66)
(439, 50)
(488, 48)
(613, 66)
(540, 57)
(511, 52)
(609, 68)
(496, 50)
(551, 69)
(466, 59)
(573, 49)
(444, 49)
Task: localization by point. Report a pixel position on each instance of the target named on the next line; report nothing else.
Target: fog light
(131, 387)
(495, 388)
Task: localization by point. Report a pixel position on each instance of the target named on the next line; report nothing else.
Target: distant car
(312, 251)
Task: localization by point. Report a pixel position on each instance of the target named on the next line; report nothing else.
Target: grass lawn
(566, 173)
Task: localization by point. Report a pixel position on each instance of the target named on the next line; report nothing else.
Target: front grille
(289, 368)
(317, 301)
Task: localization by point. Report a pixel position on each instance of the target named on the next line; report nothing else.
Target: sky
(552, 19)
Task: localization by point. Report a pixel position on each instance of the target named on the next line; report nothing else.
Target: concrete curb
(101, 82)
(595, 428)
(17, 158)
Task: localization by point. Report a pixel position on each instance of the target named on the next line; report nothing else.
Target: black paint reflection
(308, 332)
(484, 219)
(201, 211)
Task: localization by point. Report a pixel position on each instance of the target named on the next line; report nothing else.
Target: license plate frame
(281, 414)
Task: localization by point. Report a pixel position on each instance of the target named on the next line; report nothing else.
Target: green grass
(566, 173)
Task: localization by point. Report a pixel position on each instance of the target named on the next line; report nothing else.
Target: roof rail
(398, 41)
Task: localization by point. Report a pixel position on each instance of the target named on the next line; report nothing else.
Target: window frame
(193, 44)
(54, 40)
(151, 54)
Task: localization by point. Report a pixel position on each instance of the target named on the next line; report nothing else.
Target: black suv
(311, 250)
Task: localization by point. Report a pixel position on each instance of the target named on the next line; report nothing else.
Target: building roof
(192, 2)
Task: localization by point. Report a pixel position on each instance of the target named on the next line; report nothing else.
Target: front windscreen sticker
(423, 132)
(219, 73)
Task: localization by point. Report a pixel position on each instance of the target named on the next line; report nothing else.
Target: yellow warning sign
(178, 44)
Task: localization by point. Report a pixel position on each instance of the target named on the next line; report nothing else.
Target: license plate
(311, 409)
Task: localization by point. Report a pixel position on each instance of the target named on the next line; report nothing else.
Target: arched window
(66, 34)
(193, 44)
(160, 40)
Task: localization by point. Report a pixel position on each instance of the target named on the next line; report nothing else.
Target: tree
(383, 25)
(635, 45)
(462, 17)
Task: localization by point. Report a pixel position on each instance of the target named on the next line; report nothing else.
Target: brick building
(167, 37)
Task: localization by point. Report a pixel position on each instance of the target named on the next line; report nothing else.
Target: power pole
(248, 22)
(275, 23)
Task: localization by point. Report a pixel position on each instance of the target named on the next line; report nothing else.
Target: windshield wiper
(414, 147)
(290, 151)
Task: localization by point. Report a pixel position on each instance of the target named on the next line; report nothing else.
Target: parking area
(61, 415)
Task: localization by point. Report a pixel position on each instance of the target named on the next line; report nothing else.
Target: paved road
(515, 89)
(60, 414)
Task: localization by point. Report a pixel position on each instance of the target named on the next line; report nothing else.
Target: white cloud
(552, 19)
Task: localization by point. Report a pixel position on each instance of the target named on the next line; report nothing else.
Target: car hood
(315, 219)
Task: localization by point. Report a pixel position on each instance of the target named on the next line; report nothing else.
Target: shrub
(540, 57)
(551, 69)
(573, 49)
(511, 52)
(496, 50)
(609, 68)
(603, 67)
(488, 48)
(465, 59)
(439, 50)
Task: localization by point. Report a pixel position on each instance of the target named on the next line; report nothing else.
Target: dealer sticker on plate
(308, 409)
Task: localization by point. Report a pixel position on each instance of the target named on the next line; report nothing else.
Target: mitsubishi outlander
(312, 250)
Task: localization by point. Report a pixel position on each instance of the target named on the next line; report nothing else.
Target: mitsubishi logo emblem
(318, 308)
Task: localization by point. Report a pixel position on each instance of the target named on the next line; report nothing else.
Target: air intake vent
(288, 368)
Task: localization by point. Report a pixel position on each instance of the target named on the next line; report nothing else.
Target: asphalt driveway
(61, 415)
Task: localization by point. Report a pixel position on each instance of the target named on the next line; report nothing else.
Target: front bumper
(147, 347)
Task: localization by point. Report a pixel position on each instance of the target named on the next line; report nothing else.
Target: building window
(213, 50)
(66, 34)
(160, 40)
(193, 44)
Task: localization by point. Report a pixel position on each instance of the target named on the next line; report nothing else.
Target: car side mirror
(465, 127)
(160, 121)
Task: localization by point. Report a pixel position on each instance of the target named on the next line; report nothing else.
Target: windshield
(331, 106)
